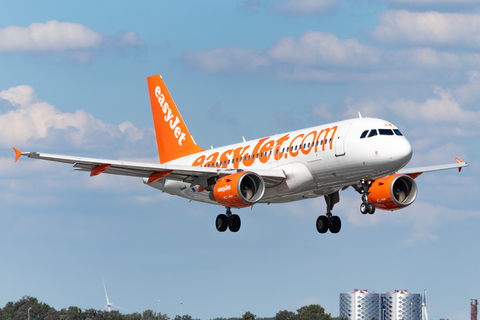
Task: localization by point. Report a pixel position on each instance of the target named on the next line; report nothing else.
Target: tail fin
(173, 139)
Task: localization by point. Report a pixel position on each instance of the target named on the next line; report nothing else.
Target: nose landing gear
(366, 206)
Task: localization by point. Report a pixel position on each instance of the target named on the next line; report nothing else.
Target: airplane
(364, 153)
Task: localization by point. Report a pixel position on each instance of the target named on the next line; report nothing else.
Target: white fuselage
(316, 161)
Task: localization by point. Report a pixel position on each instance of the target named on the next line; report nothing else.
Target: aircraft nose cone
(401, 153)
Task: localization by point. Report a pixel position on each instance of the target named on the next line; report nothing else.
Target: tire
(336, 224)
(222, 222)
(363, 208)
(322, 224)
(371, 208)
(235, 223)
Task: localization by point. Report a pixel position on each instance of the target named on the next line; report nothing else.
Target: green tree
(184, 317)
(19, 310)
(149, 315)
(248, 316)
(313, 312)
(285, 315)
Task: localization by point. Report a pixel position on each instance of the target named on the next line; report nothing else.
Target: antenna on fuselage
(243, 139)
(359, 115)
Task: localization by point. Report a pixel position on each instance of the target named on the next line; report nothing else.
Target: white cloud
(323, 57)
(76, 41)
(322, 49)
(303, 7)
(444, 108)
(307, 59)
(428, 28)
(226, 60)
(469, 92)
(26, 121)
(50, 36)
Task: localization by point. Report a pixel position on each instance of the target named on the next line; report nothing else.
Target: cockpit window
(364, 134)
(397, 132)
(385, 132)
(372, 133)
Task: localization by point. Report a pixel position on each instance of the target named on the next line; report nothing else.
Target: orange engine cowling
(239, 190)
(393, 192)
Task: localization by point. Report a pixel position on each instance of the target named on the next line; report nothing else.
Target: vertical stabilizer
(173, 138)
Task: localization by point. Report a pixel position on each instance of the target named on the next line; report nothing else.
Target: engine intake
(393, 192)
(239, 190)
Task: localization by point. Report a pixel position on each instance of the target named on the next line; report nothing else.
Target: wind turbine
(109, 304)
(424, 306)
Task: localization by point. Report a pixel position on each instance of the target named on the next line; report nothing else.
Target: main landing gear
(228, 220)
(329, 221)
(366, 206)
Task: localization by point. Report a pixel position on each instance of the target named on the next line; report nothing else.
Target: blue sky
(73, 81)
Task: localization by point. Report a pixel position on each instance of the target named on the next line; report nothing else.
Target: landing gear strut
(329, 221)
(228, 220)
(366, 206)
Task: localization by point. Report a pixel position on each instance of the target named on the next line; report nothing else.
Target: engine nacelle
(239, 190)
(393, 192)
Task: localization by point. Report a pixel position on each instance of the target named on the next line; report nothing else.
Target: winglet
(17, 154)
(459, 161)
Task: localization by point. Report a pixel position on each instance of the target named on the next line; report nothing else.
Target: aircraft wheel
(222, 222)
(322, 224)
(371, 208)
(363, 208)
(235, 223)
(335, 224)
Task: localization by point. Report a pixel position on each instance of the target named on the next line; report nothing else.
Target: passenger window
(308, 146)
(385, 132)
(364, 134)
(372, 133)
(397, 132)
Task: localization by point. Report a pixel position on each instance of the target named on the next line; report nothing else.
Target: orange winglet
(99, 169)
(157, 176)
(17, 154)
(459, 161)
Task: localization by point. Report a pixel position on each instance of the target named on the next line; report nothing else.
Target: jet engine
(239, 190)
(393, 192)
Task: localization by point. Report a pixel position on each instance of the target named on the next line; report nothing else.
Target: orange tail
(173, 139)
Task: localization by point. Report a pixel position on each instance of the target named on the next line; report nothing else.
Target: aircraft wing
(149, 170)
(415, 172)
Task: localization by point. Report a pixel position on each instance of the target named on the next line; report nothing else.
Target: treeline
(41, 311)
